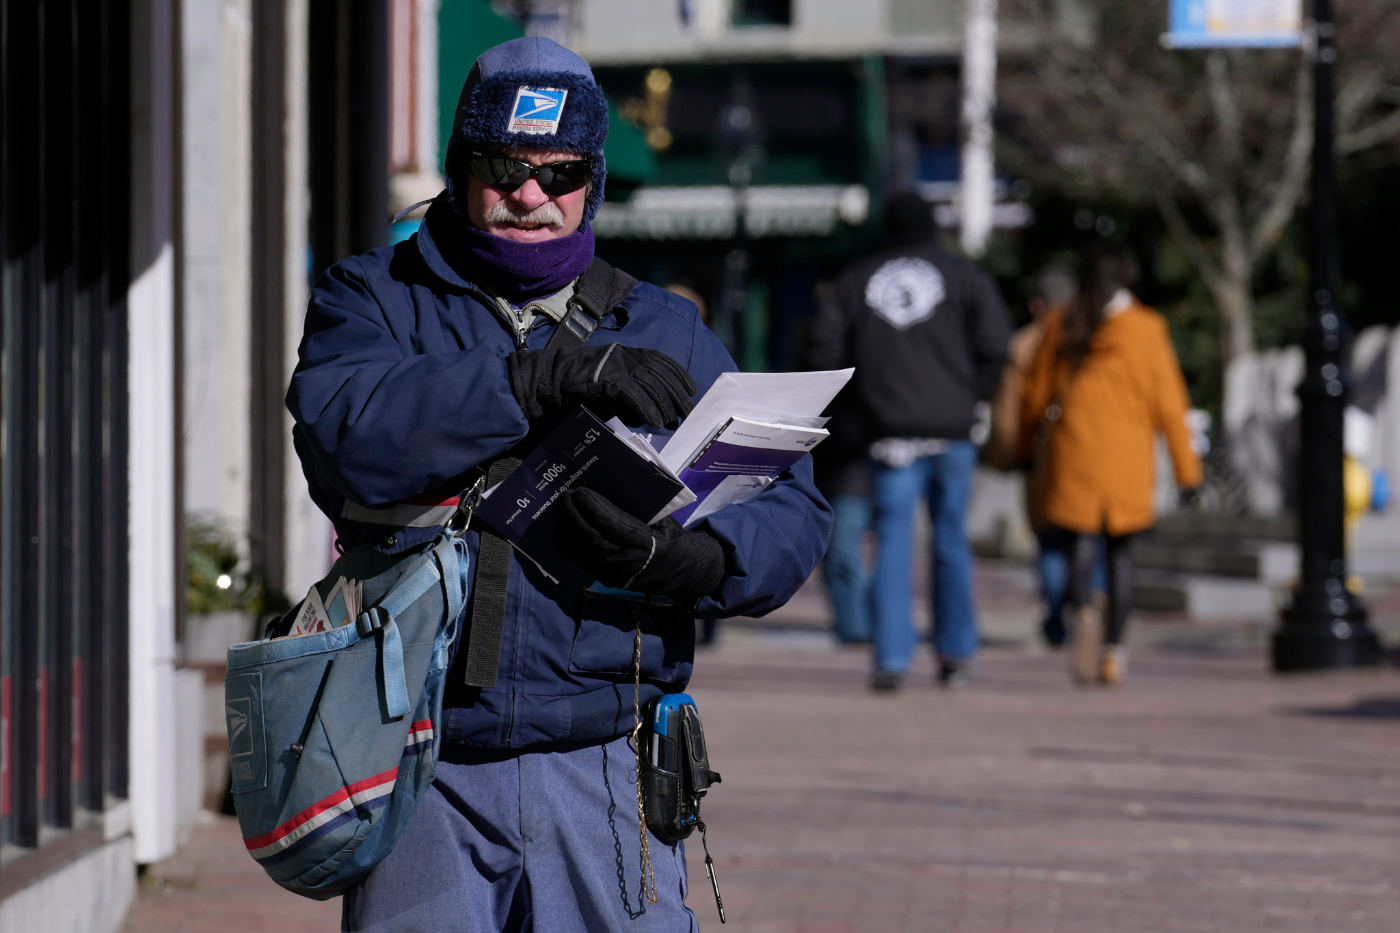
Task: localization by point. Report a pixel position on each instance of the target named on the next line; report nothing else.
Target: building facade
(161, 225)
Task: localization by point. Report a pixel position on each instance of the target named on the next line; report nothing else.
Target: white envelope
(777, 397)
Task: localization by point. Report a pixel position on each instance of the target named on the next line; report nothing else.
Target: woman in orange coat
(1104, 382)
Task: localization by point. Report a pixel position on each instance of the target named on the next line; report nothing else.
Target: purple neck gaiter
(522, 272)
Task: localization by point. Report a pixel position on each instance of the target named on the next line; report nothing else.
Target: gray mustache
(546, 215)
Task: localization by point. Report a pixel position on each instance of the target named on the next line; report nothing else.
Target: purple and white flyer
(742, 458)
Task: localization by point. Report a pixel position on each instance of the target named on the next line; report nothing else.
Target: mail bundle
(746, 431)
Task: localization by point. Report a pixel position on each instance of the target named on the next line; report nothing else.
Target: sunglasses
(506, 174)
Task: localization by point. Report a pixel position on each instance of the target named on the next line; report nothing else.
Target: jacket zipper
(517, 325)
(502, 310)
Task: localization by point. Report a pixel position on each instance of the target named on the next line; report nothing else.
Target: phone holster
(675, 766)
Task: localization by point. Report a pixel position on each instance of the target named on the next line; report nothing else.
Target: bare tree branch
(1298, 160)
(1221, 138)
(1381, 131)
(1355, 97)
(1190, 244)
(1226, 108)
(1189, 171)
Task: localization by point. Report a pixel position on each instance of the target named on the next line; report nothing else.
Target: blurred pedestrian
(1104, 381)
(927, 333)
(1055, 288)
(841, 469)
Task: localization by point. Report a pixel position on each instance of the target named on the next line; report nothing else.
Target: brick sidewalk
(1205, 795)
(212, 886)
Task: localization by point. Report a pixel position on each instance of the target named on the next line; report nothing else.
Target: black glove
(662, 559)
(640, 386)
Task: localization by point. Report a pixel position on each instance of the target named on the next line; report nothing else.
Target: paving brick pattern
(212, 886)
(1205, 795)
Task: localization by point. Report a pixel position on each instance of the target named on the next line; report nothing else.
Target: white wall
(1263, 408)
(189, 750)
(217, 202)
(89, 895)
(427, 116)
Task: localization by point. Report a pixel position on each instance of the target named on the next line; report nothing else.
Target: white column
(979, 76)
(216, 62)
(413, 115)
(427, 111)
(710, 18)
(308, 531)
(151, 368)
(403, 78)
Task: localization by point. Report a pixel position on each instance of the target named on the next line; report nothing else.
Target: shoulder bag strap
(598, 290)
(1037, 479)
(586, 308)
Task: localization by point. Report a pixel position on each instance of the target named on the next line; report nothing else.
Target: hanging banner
(1265, 24)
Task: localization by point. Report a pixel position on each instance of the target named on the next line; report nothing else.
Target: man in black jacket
(927, 333)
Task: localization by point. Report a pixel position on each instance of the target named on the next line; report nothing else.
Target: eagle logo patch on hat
(537, 111)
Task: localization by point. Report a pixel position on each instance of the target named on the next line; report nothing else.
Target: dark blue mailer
(582, 451)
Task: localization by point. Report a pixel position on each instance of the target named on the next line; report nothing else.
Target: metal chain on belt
(648, 874)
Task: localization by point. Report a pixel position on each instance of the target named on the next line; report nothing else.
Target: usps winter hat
(530, 93)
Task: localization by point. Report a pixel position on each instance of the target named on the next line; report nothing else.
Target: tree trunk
(1234, 299)
(1230, 287)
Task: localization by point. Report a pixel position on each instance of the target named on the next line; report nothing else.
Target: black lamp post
(1326, 626)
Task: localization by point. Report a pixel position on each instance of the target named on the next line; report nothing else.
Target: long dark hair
(1103, 272)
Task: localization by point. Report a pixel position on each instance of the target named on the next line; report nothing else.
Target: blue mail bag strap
(332, 736)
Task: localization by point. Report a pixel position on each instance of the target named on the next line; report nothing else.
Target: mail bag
(332, 736)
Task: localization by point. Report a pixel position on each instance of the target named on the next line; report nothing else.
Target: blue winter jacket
(401, 390)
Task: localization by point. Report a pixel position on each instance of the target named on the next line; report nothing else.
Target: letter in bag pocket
(247, 744)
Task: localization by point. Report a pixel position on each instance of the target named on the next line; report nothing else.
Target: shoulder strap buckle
(594, 289)
(591, 301)
(579, 323)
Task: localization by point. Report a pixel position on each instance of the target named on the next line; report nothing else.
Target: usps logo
(238, 713)
(537, 111)
(905, 291)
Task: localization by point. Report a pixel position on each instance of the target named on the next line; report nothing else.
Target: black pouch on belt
(675, 766)
(676, 774)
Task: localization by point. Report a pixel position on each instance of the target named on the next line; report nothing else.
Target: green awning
(630, 159)
(466, 28)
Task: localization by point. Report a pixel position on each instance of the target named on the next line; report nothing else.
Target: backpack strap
(598, 291)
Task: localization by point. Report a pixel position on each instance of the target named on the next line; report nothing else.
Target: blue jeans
(508, 841)
(1053, 562)
(946, 481)
(848, 583)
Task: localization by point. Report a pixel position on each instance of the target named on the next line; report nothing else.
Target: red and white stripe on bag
(348, 803)
(413, 512)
